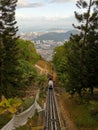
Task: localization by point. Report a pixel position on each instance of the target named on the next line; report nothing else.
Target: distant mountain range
(56, 36)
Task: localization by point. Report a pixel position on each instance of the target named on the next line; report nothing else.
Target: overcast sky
(34, 15)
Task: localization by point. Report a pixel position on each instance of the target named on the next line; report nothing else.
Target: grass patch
(84, 115)
(42, 97)
(45, 64)
(23, 128)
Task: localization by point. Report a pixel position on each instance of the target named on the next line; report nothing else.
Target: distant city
(45, 42)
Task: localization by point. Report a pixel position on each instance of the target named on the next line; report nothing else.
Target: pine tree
(10, 52)
(88, 42)
(2, 52)
(79, 70)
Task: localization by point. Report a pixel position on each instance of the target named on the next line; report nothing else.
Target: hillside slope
(56, 36)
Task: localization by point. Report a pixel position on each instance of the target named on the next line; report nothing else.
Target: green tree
(27, 58)
(1, 65)
(89, 44)
(68, 68)
(27, 51)
(77, 65)
(7, 9)
(9, 74)
(59, 60)
(57, 55)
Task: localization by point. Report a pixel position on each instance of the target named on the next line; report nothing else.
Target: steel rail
(52, 119)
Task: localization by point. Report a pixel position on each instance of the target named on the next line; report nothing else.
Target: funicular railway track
(52, 119)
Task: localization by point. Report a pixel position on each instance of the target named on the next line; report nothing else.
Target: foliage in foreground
(9, 76)
(4, 119)
(9, 106)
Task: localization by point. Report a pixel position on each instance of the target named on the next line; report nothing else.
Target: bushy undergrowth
(84, 115)
(27, 103)
(4, 119)
(94, 110)
(42, 97)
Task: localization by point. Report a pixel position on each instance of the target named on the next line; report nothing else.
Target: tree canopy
(77, 63)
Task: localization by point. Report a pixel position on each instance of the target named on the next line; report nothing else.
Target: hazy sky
(34, 15)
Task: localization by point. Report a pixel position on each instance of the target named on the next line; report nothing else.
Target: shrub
(27, 103)
(4, 119)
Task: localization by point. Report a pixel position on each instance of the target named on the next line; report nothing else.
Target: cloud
(62, 1)
(44, 21)
(26, 4)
